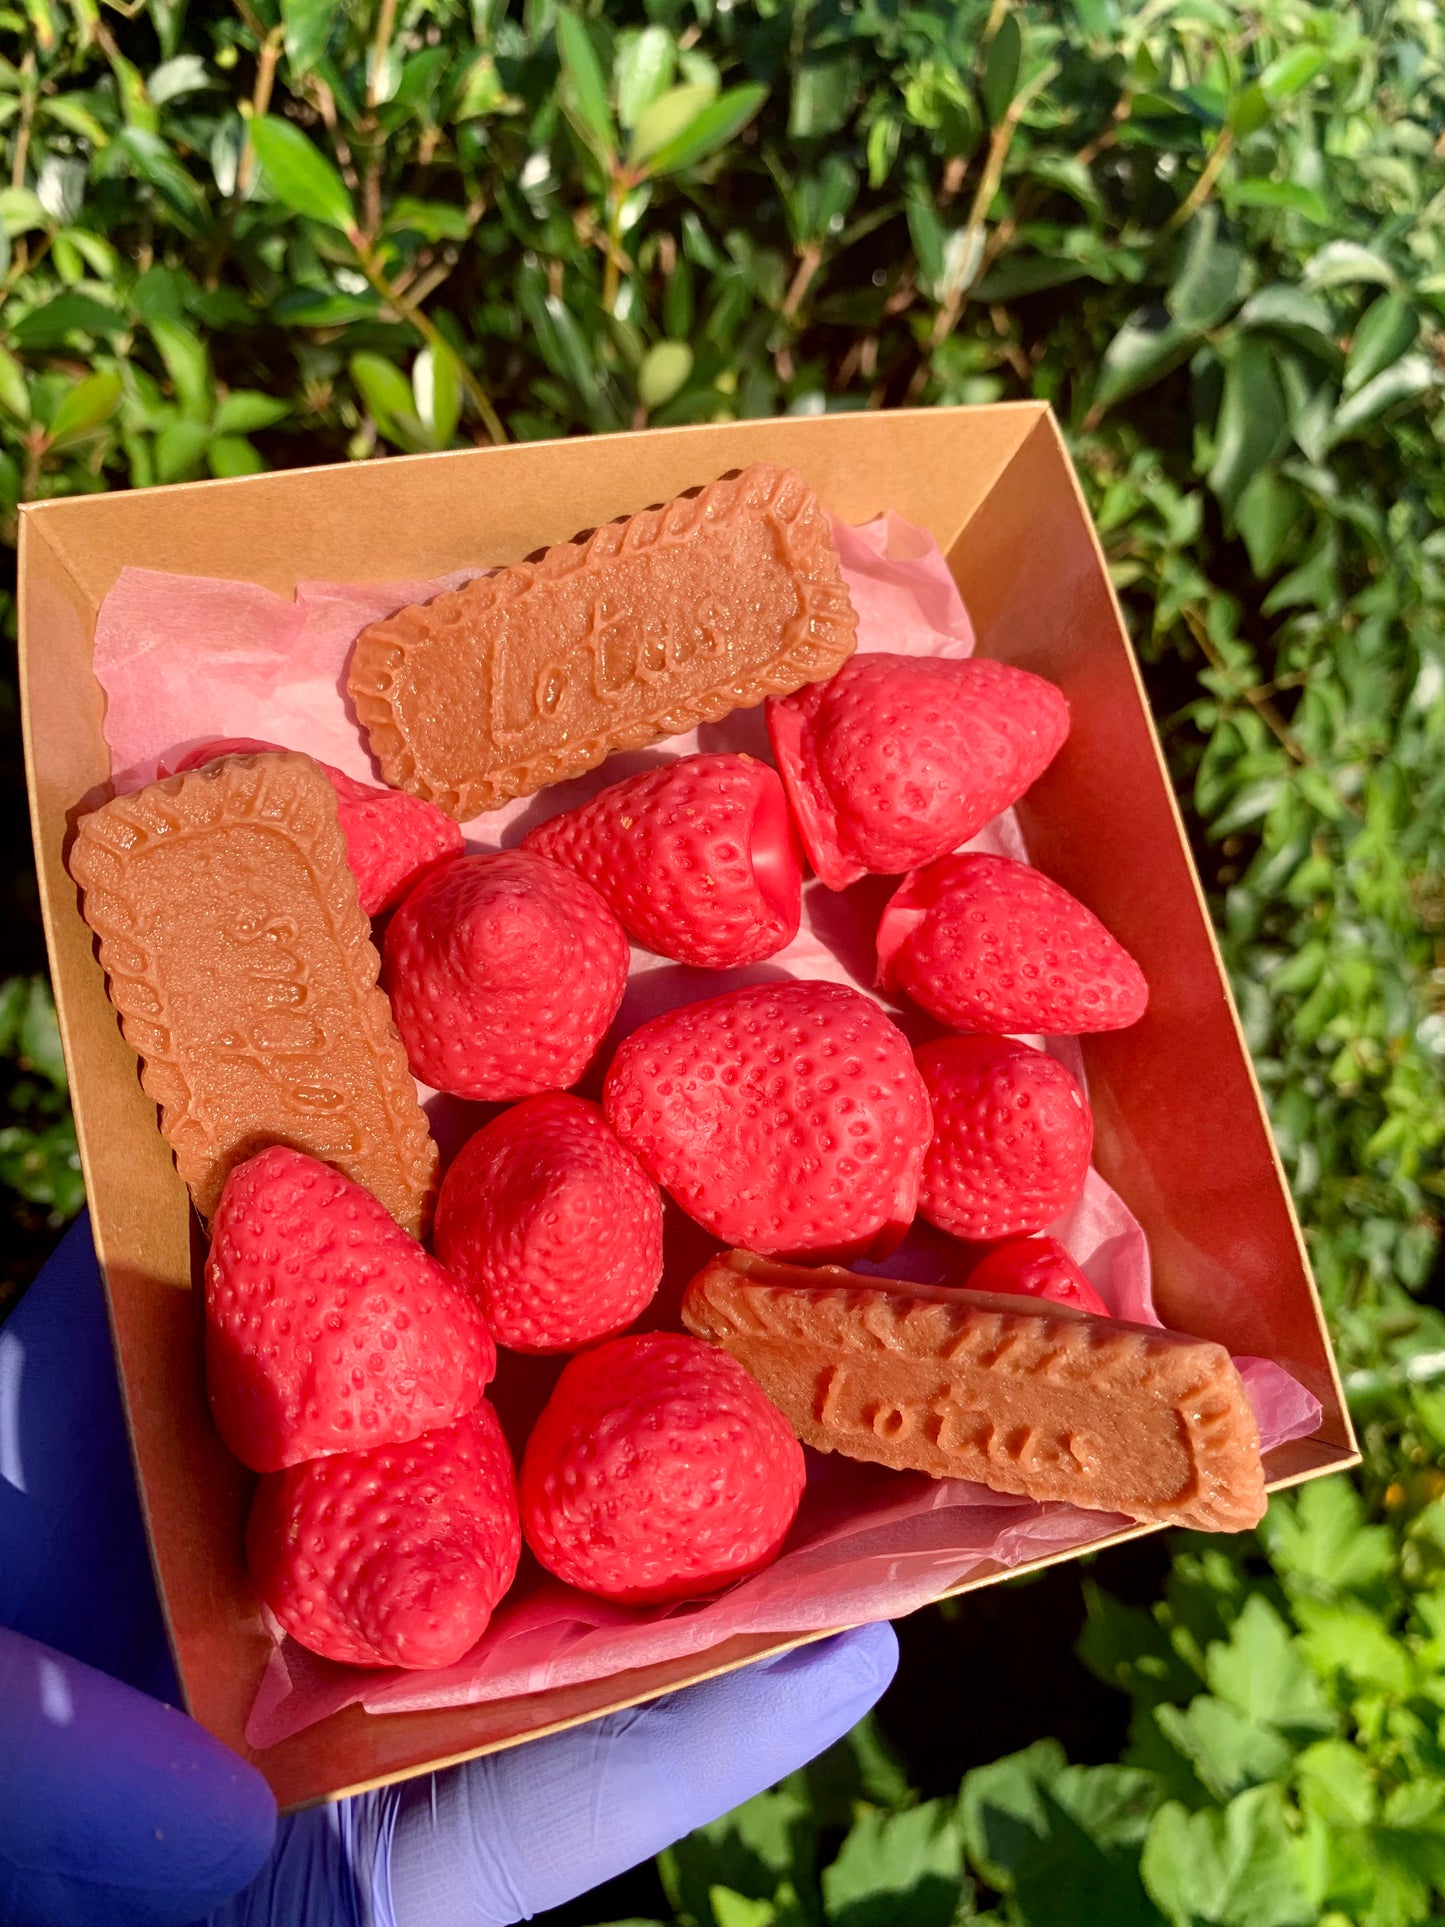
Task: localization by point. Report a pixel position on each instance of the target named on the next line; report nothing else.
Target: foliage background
(261, 234)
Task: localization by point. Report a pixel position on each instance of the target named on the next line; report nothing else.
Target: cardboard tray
(1181, 1130)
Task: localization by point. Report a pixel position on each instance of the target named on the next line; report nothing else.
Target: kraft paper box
(1180, 1129)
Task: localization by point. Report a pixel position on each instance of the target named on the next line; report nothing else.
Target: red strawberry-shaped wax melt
(698, 859)
(658, 1471)
(554, 1226)
(1012, 1134)
(1039, 1268)
(784, 1117)
(986, 944)
(327, 1327)
(503, 972)
(394, 1556)
(390, 837)
(897, 759)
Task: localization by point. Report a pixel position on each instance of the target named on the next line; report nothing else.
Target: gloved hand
(115, 1810)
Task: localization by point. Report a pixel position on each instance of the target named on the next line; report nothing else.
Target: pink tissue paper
(186, 659)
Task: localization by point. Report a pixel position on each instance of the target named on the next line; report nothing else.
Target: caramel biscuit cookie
(638, 631)
(1023, 1397)
(243, 969)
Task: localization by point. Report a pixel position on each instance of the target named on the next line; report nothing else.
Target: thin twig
(1257, 697)
(1204, 186)
(430, 333)
(810, 259)
(27, 120)
(380, 47)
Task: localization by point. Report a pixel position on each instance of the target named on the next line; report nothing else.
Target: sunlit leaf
(713, 128)
(585, 89)
(300, 175)
(85, 409)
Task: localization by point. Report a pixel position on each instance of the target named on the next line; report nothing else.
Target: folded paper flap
(648, 626)
(222, 899)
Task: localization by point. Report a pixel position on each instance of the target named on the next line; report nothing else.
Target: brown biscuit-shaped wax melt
(638, 631)
(243, 969)
(1029, 1397)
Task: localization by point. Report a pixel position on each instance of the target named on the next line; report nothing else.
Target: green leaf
(186, 74)
(436, 383)
(37, 1034)
(1289, 309)
(823, 96)
(665, 118)
(1266, 515)
(385, 390)
(245, 410)
(751, 1851)
(482, 92)
(1340, 264)
(300, 175)
(233, 455)
(1237, 1868)
(898, 1866)
(53, 324)
(1292, 72)
(1150, 343)
(85, 409)
(1387, 328)
(584, 89)
(1336, 1783)
(1345, 1636)
(21, 211)
(308, 25)
(433, 220)
(736, 1910)
(642, 71)
(184, 355)
(1409, 378)
(665, 368)
(1318, 1538)
(179, 449)
(44, 1166)
(14, 395)
(1260, 1669)
(713, 128)
(1290, 197)
(1001, 68)
(1252, 419)
(1250, 111)
(1228, 1751)
(1209, 280)
(1062, 1841)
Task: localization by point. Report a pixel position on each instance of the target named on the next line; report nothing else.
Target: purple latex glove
(116, 1809)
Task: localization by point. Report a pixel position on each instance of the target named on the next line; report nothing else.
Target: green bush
(1212, 238)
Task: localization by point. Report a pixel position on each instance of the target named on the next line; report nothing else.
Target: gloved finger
(74, 1570)
(113, 1807)
(504, 1837)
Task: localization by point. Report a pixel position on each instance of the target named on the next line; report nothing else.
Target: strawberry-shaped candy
(786, 1117)
(1040, 1268)
(390, 837)
(983, 943)
(897, 759)
(698, 859)
(554, 1226)
(327, 1327)
(1012, 1133)
(394, 1556)
(658, 1471)
(503, 972)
